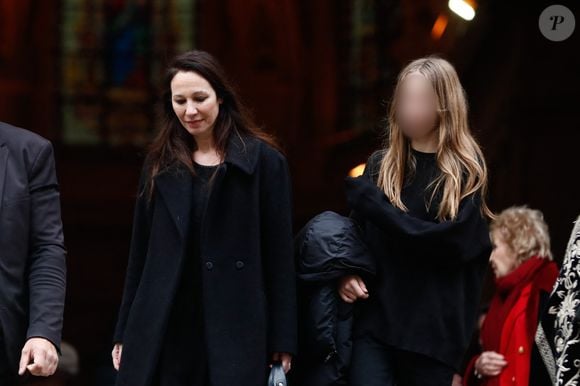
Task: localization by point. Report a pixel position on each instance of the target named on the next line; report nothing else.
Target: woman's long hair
(173, 145)
(459, 157)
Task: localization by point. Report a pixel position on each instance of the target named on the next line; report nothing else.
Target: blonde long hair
(459, 157)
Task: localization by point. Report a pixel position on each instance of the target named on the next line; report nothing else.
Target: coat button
(514, 379)
(209, 265)
(239, 264)
(521, 349)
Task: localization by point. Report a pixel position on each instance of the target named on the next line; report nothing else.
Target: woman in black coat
(210, 294)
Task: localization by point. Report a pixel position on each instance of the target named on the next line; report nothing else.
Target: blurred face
(416, 106)
(195, 103)
(503, 259)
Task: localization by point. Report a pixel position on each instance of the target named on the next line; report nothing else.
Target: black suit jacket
(32, 253)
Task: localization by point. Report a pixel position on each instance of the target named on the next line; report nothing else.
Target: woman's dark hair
(173, 145)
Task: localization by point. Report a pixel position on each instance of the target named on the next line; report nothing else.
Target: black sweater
(429, 274)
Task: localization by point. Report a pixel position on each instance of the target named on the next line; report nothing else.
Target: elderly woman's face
(503, 259)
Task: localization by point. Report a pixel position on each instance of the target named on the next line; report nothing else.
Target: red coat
(513, 315)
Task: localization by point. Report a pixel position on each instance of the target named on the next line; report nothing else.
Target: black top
(183, 359)
(201, 187)
(416, 192)
(429, 273)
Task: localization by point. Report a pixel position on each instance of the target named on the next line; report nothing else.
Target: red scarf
(508, 290)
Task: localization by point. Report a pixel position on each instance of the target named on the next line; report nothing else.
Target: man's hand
(351, 288)
(285, 358)
(39, 356)
(116, 354)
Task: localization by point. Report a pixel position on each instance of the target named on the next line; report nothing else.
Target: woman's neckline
(423, 154)
(205, 166)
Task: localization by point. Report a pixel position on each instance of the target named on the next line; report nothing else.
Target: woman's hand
(284, 358)
(116, 354)
(490, 364)
(351, 288)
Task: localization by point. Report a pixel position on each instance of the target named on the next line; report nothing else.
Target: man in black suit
(32, 256)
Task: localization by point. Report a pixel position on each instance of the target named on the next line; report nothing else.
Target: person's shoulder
(376, 157)
(17, 138)
(552, 270)
(374, 162)
(267, 151)
(547, 274)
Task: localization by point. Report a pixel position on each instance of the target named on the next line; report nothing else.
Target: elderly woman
(522, 263)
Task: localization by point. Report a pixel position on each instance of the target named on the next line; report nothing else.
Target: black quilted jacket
(327, 248)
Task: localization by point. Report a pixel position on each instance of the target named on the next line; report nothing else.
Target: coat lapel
(242, 152)
(175, 186)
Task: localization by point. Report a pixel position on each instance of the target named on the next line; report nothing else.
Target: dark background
(317, 74)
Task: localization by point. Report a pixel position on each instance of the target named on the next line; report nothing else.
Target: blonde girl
(421, 205)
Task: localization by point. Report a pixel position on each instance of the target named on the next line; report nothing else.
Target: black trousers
(375, 364)
(7, 374)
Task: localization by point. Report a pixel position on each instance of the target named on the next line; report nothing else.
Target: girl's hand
(285, 358)
(490, 364)
(116, 354)
(351, 288)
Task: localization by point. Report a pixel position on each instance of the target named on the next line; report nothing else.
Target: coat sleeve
(456, 241)
(278, 253)
(370, 173)
(47, 256)
(469, 378)
(137, 254)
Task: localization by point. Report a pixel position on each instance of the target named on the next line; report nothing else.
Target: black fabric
(32, 252)
(539, 375)
(183, 359)
(556, 350)
(248, 275)
(328, 247)
(374, 364)
(429, 273)
(7, 374)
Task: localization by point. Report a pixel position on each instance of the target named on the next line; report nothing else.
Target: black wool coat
(248, 273)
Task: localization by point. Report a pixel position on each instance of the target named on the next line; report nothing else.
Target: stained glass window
(113, 53)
